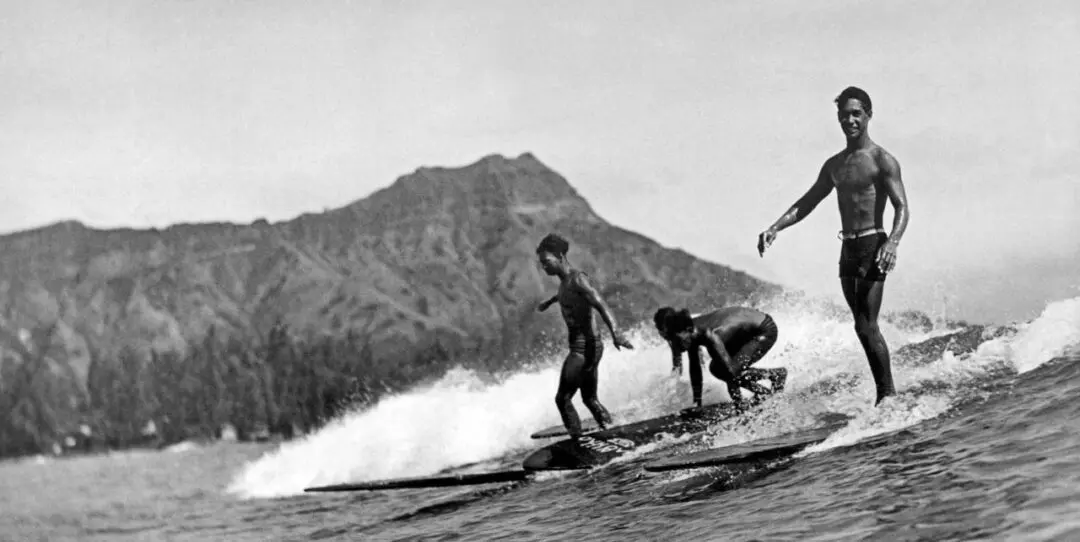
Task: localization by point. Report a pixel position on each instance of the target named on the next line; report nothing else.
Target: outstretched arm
(808, 202)
(894, 188)
(800, 209)
(593, 297)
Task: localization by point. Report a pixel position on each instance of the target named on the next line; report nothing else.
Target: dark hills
(440, 257)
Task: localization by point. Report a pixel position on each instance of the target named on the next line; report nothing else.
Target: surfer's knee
(721, 371)
(715, 370)
(864, 327)
(562, 399)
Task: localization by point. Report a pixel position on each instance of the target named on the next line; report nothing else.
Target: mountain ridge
(440, 252)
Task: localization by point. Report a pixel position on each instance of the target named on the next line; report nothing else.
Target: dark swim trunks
(858, 257)
(590, 347)
(758, 345)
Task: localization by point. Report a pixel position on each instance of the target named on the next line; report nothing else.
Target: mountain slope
(443, 255)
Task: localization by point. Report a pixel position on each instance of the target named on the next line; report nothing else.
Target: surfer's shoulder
(580, 279)
(884, 159)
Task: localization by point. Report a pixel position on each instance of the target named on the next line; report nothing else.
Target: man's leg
(569, 382)
(751, 353)
(693, 363)
(728, 375)
(864, 300)
(589, 383)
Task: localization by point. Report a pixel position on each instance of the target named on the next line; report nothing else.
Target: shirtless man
(864, 175)
(577, 297)
(734, 337)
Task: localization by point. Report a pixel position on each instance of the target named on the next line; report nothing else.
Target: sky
(694, 123)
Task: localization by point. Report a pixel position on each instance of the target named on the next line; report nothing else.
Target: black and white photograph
(501, 270)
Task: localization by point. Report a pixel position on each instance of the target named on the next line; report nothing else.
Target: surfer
(734, 337)
(864, 175)
(577, 298)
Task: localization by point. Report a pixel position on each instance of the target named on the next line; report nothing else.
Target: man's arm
(808, 202)
(893, 185)
(544, 306)
(676, 357)
(801, 209)
(718, 352)
(593, 297)
(694, 360)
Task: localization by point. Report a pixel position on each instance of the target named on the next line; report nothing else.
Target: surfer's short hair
(857, 94)
(553, 243)
(661, 317)
(679, 321)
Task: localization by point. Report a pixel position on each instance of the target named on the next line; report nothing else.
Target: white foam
(459, 419)
(462, 419)
(1050, 335)
(892, 415)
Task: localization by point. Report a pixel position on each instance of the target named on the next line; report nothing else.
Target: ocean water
(983, 443)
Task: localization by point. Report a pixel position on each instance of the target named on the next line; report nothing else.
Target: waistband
(862, 233)
(584, 339)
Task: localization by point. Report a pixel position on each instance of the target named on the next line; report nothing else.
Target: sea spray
(459, 419)
(932, 387)
(463, 418)
(1050, 335)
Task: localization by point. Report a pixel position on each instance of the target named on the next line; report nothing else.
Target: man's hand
(620, 341)
(765, 239)
(544, 306)
(886, 257)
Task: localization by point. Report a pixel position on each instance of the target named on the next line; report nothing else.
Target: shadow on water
(448, 505)
(456, 503)
(721, 479)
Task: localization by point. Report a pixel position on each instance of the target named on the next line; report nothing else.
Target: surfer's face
(853, 118)
(549, 262)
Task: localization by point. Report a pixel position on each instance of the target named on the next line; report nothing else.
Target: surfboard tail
(427, 482)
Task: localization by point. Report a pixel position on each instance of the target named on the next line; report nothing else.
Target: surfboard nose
(538, 460)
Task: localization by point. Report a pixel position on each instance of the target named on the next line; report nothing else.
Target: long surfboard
(600, 447)
(584, 453)
(588, 451)
(589, 426)
(426, 481)
(761, 449)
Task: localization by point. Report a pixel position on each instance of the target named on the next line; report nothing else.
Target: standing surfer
(734, 337)
(864, 175)
(577, 298)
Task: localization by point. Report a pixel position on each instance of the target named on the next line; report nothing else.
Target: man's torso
(731, 323)
(855, 176)
(576, 310)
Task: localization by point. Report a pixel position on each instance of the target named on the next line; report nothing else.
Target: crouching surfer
(577, 298)
(734, 337)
